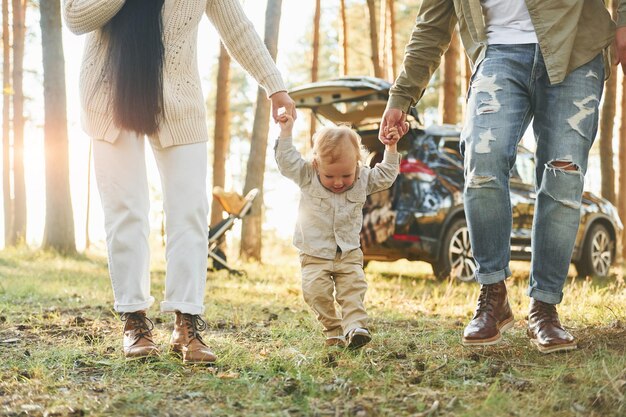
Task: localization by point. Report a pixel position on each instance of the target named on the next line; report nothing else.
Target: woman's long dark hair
(135, 65)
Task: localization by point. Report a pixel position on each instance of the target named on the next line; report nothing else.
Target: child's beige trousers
(341, 279)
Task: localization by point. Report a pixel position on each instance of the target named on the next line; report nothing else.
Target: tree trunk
(344, 29)
(371, 7)
(621, 205)
(392, 38)
(607, 120)
(252, 224)
(88, 205)
(382, 40)
(448, 93)
(19, 187)
(221, 135)
(59, 230)
(466, 75)
(6, 126)
(316, 54)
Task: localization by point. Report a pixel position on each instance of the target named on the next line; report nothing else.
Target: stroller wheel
(239, 273)
(217, 265)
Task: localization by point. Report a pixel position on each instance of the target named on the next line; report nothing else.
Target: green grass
(60, 352)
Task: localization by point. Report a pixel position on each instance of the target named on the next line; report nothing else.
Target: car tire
(598, 252)
(455, 257)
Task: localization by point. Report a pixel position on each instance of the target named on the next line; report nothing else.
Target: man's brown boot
(545, 330)
(138, 335)
(186, 339)
(493, 316)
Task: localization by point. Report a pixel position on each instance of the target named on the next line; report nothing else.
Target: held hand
(392, 118)
(285, 121)
(620, 47)
(282, 100)
(393, 136)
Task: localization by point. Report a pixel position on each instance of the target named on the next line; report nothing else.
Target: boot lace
(485, 300)
(142, 324)
(194, 325)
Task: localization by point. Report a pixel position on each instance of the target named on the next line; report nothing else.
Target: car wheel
(455, 259)
(597, 255)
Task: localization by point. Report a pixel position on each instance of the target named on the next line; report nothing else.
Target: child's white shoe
(358, 337)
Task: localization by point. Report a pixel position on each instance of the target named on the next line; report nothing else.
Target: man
(532, 60)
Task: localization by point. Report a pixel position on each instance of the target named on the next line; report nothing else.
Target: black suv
(421, 216)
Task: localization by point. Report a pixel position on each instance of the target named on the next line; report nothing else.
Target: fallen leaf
(228, 375)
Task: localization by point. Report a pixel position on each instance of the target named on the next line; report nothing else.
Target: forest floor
(60, 348)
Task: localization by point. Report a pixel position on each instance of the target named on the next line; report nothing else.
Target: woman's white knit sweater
(184, 118)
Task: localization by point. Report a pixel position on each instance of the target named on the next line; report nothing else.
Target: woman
(139, 78)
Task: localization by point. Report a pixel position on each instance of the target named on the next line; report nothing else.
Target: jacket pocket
(317, 204)
(356, 200)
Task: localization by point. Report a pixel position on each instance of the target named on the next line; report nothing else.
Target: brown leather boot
(138, 335)
(186, 339)
(545, 330)
(493, 316)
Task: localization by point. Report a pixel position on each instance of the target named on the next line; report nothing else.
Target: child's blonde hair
(329, 145)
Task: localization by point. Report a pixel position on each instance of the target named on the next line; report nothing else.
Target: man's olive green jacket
(570, 34)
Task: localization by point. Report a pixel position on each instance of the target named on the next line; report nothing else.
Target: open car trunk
(354, 101)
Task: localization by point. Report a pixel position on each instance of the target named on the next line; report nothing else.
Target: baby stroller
(237, 207)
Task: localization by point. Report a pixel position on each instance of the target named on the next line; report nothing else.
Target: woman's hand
(282, 100)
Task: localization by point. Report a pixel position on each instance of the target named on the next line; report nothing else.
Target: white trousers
(123, 185)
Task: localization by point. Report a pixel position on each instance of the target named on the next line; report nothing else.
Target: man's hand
(392, 118)
(282, 100)
(620, 47)
(393, 136)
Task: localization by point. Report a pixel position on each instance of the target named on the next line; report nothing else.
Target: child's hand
(285, 121)
(393, 136)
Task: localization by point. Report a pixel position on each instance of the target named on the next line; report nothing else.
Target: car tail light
(419, 169)
(406, 238)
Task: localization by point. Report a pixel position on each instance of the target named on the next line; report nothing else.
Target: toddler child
(334, 186)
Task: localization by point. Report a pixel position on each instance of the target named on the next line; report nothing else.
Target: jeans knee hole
(478, 181)
(563, 165)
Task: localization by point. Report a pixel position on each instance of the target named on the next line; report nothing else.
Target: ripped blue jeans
(509, 89)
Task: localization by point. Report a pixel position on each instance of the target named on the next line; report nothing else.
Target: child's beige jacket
(328, 221)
